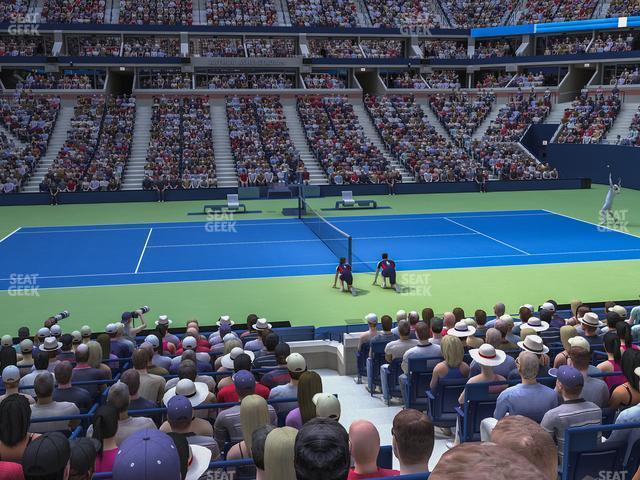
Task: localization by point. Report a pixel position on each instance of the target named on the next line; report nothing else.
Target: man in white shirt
(394, 350)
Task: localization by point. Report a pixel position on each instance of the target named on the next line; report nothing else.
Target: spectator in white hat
(534, 344)
(488, 357)
(327, 405)
(26, 350)
(11, 381)
(43, 333)
(263, 328)
(52, 347)
(372, 322)
(590, 324)
(196, 393)
(158, 359)
(56, 331)
(296, 365)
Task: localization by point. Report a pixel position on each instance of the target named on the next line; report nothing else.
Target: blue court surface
(74, 256)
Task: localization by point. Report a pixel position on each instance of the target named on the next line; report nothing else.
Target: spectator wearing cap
(76, 339)
(412, 439)
(372, 322)
(158, 359)
(574, 411)
(83, 459)
(51, 346)
(590, 325)
(527, 438)
(228, 363)
(26, 350)
(453, 365)
(528, 398)
(327, 405)
(321, 451)
(190, 343)
(494, 338)
(105, 428)
(364, 443)
(128, 320)
(197, 393)
(38, 340)
(131, 378)
(40, 365)
(117, 346)
(84, 372)
(47, 457)
(267, 358)
(147, 455)
(86, 333)
(15, 418)
(535, 345)
(484, 461)
(263, 328)
(151, 386)
(488, 358)
(228, 393)
(11, 381)
(224, 324)
(180, 420)
(279, 375)
(254, 414)
(118, 398)
(227, 427)
(628, 394)
(550, 307)
(258, 440)
(594, 390)
(385, 336)
(279, 448)
(65, 392)
(66, 349)
(309, 385)
(6, 343)
(296, 366)
(45, 406)
(395, 350)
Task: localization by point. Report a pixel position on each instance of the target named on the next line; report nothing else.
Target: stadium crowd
(461, 114)
(150, 46)
(270, 47)
(324, 80)
(25, 46)
(262, 149)
(382, 48)
(485, 13)
(494, 49)
(334, 48)
(589, 118)
(156, 12)
(216, 47)
(73, 11)
(323, 13)
(411, 79)
(516, 115)
(94, 46)
(444, 49)
(405, 13)
(161, 79)
(266, 80)
(56, 81)
(563, 44)
(238, 13)
(443, 79)
(78, 403)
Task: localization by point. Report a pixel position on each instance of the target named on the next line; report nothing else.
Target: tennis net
(339, 242)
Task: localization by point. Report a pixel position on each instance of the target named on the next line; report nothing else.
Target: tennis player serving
(388, 269)
(343, 272)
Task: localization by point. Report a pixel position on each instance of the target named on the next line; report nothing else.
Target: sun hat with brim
(50, 344)
(536, 324)
(196, 392)
(590, 319)
(147, 454)
(487, 355)
(327, 405)
(225, 320)
(262, 324)
(164, 320)
(200, 458)
(461, 330)
(227, 360)
(619, 309)
(46, 455)
(533, 344)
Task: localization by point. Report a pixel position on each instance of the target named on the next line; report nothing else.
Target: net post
(350, 250)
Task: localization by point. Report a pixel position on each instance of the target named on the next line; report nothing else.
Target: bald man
(364, 441)
(449, 321)
(499, 310)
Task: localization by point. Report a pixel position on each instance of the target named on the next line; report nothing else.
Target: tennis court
(94, 255)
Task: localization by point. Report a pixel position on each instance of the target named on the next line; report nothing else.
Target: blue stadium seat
(295, 334)
(478, 405)
(418, 380)
(393, 374)
(385, 457)
(361, 360)
(444, 400)
(377, 361)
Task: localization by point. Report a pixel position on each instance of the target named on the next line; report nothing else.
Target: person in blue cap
(129, 321)
(147, 455)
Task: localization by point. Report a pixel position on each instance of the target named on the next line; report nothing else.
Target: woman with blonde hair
(95, 358)
(254, 414)
(453, 365)
(567, 332)
(279, 454)
(309, 384)
(228, 346)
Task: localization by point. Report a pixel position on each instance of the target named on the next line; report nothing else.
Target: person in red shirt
(229, 394)
(365, 445)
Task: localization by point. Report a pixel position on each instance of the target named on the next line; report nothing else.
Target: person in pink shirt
(364, 440)
(105, 428)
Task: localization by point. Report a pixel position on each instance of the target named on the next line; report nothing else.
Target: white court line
(245, 223)
(143, 250)
(488, 236)
(7, 236)
(591, 223)
(355, 263)
(268, 242)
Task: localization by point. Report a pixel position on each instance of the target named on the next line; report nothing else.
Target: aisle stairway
(225, 166)
(623, 121)
(134, 170)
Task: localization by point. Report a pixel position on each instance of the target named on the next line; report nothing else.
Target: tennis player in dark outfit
(343, 272)
(388, 269)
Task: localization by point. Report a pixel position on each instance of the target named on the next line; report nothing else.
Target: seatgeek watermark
(415, 284)
(219, 475)
(614, 220)
(220, 222)
(609, 475)
(27, 24)
(23, 285)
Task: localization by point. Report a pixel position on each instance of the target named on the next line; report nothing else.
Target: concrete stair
(623, 121)
(433, 119)
(225, 165)
(557, 112)
(58, 137)
(373, 136)
(12, 138)
(296, 132)
(482, 128)
(134, 169)
(283, 12)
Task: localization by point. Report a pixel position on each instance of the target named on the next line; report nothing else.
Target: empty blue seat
(420, 371)
(444, 401)
(393, 374)
(376, 362)
(478, 405)
(361, 360)
(385, 457)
